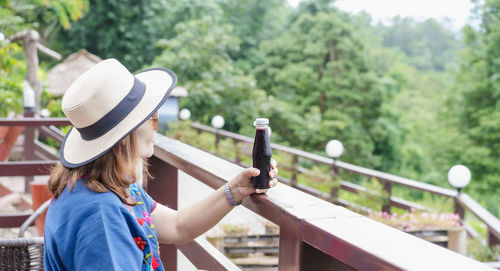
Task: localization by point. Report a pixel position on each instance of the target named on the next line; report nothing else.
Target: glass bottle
(261, 154)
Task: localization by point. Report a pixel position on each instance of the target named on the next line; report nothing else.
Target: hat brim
(76, 152)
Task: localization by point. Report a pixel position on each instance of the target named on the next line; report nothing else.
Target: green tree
(16, 16)
(39, 15)
(12, 74)
(319, 69)
(429, 45)
(252, 22)
(477, 91)
(182, 11)
(125, 30)
(199, 56)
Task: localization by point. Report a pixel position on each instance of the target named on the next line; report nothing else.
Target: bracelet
(229, 196)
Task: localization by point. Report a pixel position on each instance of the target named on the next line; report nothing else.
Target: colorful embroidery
(133, 189)
(139, 242)
(154, 263)
(147, 218)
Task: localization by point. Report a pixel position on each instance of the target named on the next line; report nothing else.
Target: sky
(458, 11)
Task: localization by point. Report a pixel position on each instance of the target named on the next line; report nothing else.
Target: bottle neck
(261, 126)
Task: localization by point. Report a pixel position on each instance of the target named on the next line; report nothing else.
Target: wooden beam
(26, 168)
(53, 132)
(13, 220)
(205, 256)
(34, 121)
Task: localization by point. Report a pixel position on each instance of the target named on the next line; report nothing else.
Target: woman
(101, 218)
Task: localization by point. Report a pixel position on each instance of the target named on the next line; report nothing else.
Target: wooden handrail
(339, 164)
(204, 255)
(34, 122)
(311, 227)
(490, 220)
(13, 220)
(26, 168)
(466, 201)
(53, 132)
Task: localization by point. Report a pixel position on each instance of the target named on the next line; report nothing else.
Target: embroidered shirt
(85, 230)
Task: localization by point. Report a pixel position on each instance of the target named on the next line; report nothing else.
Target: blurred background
(409, 87)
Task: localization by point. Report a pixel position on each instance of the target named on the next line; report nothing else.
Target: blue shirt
(86, 230)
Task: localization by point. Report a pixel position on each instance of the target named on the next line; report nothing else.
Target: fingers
(272, 183)
(250, 172)
(274, 164)
(274, 169)
(273, 173)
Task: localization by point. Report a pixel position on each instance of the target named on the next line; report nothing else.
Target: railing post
(492, 239)
(293, 179)
(237, 152)
(334, 193)
(29, 146)
(388, 189)
(217, 139)
(459, 210)
(163, 189)
(291, 246)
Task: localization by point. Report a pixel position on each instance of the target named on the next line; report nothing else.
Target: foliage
(319, 177)
(263, 20)
(40, 15)
(125, 30)
(417, 220)
(235, 229)
(429, 45)
(182, 131)
(12, 71)
(52, 103)
(373, 195)
(474, 98)
(482, 253)
(199, 56)
(16, 16)
(322, 86)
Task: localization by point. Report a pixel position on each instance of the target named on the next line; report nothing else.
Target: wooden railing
(314, 234)
(38, 158)
(462, 201)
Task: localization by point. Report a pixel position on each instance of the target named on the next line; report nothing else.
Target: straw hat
(105, 104)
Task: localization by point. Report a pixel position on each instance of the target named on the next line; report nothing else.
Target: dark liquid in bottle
(261, 155)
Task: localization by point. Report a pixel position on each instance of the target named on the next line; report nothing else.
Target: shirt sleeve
(150, 202)
(107, 241)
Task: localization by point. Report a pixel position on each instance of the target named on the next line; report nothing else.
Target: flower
(154, 263)
(139, 242)
(133, 189)
(418, 220)
(147, 218)
(140, 221)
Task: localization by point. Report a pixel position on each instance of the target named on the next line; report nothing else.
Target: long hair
(114, 171)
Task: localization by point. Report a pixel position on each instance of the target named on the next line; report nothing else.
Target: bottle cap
(261, 121)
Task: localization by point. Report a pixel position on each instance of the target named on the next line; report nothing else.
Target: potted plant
(443, 229)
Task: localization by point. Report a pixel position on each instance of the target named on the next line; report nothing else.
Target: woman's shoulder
(82, 199)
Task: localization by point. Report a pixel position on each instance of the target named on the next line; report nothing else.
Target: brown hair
(114, 171)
